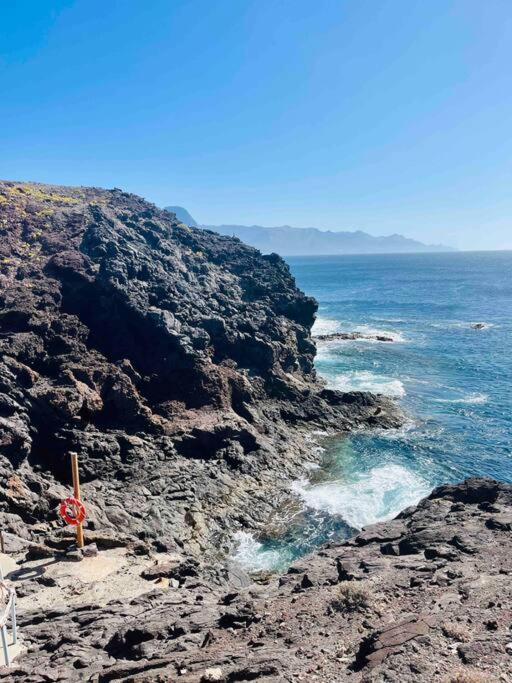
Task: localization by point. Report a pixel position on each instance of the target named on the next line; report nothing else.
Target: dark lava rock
(351, 336)
(176, 362)
(379, 645)
(423, 619)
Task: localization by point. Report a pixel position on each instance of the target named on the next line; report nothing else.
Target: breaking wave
(252, 556)
(472, 399)
(325, 326)
(397, 337)
(363, 380)
(372, 496)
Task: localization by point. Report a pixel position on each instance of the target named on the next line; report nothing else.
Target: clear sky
(380, 115)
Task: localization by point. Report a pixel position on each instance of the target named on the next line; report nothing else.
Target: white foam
(327, 350)
(250, 554)
(469, 399)
(395, 433)
(379, 494)
(462, 324)
(325, 326)
(363, 380)
(388, 320)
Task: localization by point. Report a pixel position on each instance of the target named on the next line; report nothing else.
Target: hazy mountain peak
(289, 241)
(182, 215)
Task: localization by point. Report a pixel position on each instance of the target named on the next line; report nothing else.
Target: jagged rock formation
(176, 362)
(424, 598)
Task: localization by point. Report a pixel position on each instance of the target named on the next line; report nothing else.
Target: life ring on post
(72, 511)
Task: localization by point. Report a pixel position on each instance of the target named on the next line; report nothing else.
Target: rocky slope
(426, 597)
(177, 363)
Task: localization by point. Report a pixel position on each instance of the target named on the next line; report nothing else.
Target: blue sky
(380, 115)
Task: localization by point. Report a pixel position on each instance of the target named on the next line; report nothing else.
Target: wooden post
(76, 487)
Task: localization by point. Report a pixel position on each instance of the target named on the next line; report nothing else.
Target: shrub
(351, 597)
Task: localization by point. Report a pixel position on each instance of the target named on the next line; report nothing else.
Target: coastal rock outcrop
(352, 336)
(177, 363)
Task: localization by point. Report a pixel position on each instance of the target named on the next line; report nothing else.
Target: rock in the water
(352, 336)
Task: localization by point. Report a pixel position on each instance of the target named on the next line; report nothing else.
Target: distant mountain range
(289, 241)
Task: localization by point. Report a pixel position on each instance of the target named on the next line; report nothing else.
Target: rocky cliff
(177, 363)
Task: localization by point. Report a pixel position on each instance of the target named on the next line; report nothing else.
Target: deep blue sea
(453, 381)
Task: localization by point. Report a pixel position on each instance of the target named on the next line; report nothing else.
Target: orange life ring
(72, 511)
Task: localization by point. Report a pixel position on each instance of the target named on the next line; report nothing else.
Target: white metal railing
(7, 611)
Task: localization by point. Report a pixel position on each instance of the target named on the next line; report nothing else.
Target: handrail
(6, 590)
(8, 609)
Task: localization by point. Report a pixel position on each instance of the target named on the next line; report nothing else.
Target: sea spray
(364, 380)
(368, 497)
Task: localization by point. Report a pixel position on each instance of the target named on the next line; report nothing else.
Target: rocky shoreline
(179, 365)
(419, 598)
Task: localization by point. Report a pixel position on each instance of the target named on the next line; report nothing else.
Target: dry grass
(456, 631)
(35, 193)
(352, 596)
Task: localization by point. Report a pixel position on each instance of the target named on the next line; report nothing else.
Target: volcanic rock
(177, 363)
(412, 617)
(351, 336)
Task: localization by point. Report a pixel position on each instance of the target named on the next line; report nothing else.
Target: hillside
(289, 241)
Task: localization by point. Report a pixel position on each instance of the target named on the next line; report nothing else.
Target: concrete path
(7, 564)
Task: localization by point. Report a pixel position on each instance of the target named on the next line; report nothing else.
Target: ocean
(453, 381)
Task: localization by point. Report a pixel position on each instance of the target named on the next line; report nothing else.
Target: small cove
(452, 380)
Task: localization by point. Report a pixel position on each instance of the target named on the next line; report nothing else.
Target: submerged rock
(351, 336)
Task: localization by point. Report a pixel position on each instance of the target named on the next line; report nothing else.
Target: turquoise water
(453, 381)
